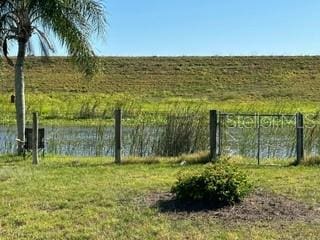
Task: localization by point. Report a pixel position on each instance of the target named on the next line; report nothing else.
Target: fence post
(220, 121)
(258, 122)
(213, 134)
(118, 135)
(35, 139)
(299, 147)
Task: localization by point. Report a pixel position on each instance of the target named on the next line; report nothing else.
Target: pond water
(87, 141)
(148, 141)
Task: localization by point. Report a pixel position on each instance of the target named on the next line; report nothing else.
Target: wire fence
(257, 136)
(143, 134)
(179, 131)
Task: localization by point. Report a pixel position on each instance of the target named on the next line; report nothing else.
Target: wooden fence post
(299, 147)
(258, 122)
(35, 139)
(118, 135)
(220, 122)
(213, 134)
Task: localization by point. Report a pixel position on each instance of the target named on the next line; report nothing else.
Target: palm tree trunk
(20, 98)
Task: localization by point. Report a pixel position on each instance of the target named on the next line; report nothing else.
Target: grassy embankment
(244, 84)
(72, 198)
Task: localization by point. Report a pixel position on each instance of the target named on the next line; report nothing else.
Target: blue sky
(211, 27)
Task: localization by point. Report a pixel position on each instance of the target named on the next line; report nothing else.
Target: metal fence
(177, 132)
(142, 134)
(257, 136)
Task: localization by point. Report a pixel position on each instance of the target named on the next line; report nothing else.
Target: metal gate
(260, 136)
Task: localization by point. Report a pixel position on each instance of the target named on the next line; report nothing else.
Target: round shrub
(217, 185)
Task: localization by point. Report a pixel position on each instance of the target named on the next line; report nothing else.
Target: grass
(311, 161)
(156, 84)
(215, 78)
(97, 109)
(91, 198)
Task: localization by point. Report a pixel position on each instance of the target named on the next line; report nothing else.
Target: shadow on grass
(173, 205)
(167, 203)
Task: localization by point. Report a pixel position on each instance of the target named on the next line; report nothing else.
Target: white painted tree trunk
(20, 98)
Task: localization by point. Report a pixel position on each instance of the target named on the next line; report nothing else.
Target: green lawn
(82, 198)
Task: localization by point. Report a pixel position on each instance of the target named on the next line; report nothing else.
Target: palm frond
(73, 22)
(6, 51)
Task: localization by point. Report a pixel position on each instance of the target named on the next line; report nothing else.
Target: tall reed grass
(185, 131)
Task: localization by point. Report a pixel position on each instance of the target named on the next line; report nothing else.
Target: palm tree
(72, 22)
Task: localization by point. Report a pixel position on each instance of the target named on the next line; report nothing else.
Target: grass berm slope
(213, 78)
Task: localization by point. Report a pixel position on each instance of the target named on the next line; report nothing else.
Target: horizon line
(174, 56)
